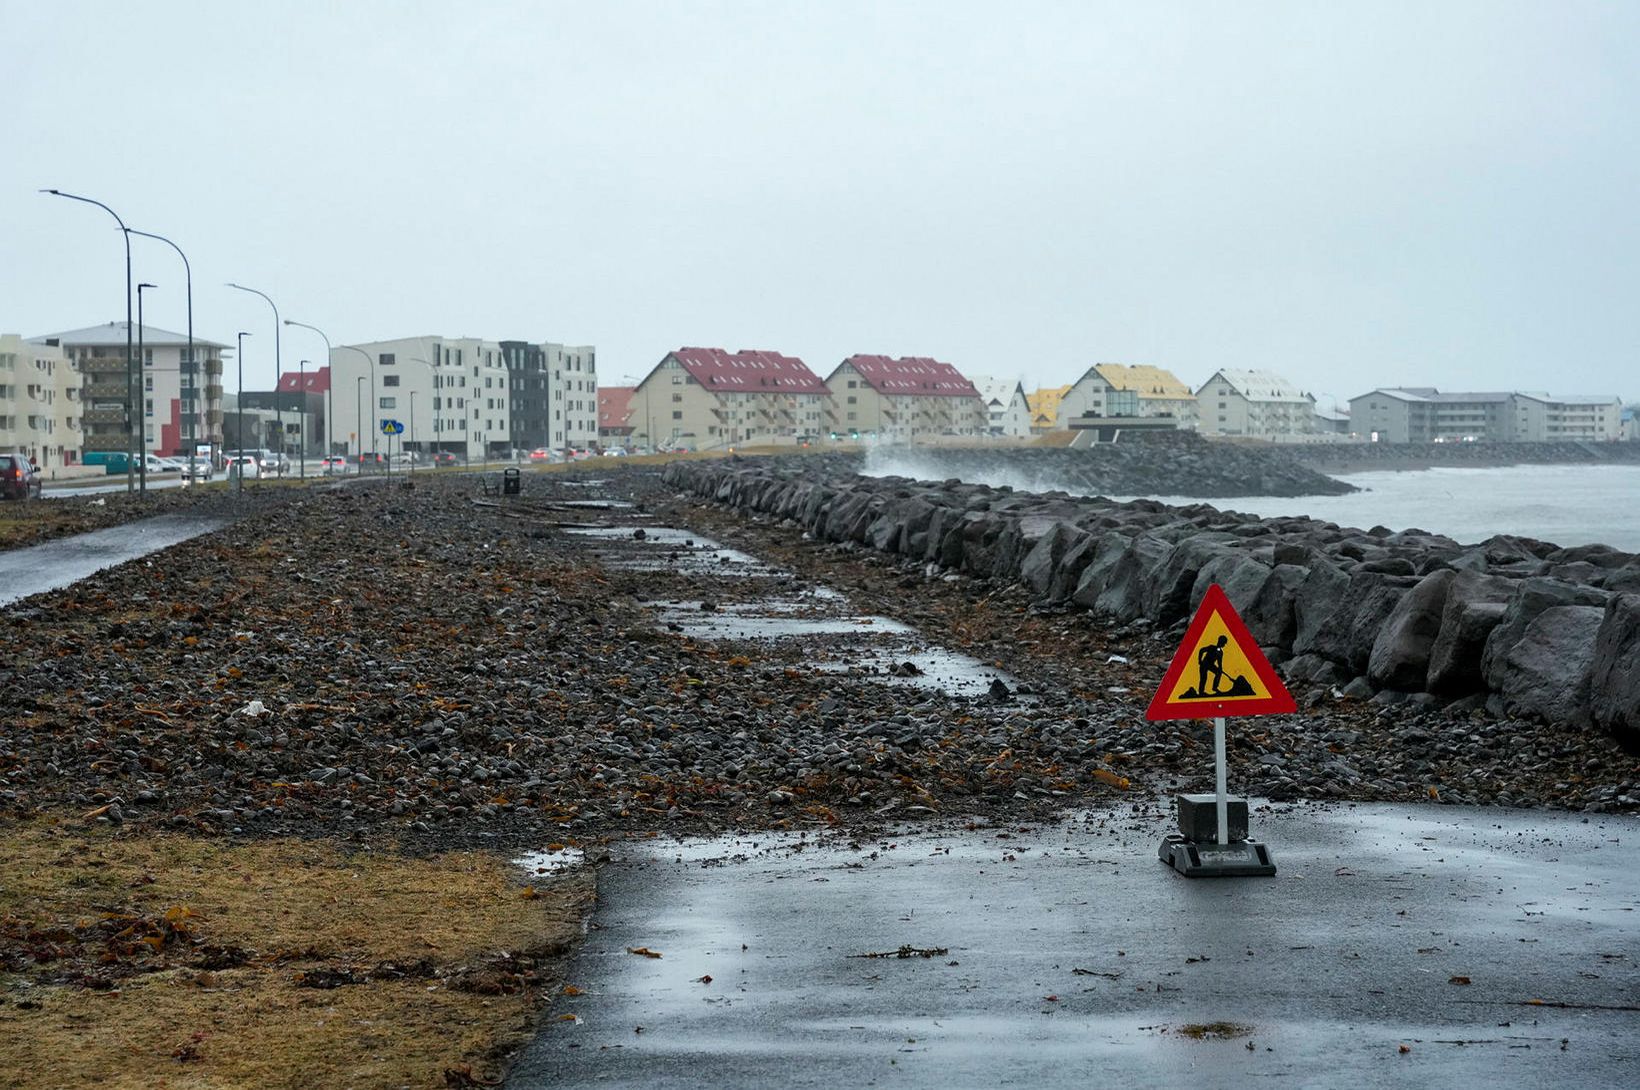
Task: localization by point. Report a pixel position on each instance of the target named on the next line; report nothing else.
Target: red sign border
(1279, 702)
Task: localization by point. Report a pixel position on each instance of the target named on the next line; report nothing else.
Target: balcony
(95, 417)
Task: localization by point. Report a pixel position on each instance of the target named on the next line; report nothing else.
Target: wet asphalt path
(54, 564)
(1074, 958)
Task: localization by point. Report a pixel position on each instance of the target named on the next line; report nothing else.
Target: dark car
(445, 458)
(368, 462)
(18, 478)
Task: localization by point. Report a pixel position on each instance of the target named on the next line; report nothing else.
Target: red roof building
(615, 411)
(914, 399)
(711, 399)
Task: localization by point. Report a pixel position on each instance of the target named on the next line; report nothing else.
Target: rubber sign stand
(1217, 669)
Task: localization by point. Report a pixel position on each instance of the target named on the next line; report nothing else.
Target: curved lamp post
(239, 405)
(372, 360)
(142, 470)
(130, 374)
(188, 274)
(330, 387)
(358, 419)
(277, 367)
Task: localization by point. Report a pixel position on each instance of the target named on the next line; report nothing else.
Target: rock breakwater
(1518, 626)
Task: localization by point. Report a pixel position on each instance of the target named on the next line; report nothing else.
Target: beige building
(903, 401)
(1159, 392)
(1044, 406)
(1542, 418)
(1007, 413)
(181, 402)
(1256, 404)
(39, 402)
(1090, 395)
(1423, 414)
(710, 399)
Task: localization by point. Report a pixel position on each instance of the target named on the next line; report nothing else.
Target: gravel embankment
(414, 663)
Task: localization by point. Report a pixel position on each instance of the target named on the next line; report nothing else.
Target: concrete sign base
(1242, 859)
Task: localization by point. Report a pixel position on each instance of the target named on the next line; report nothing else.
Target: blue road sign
(392, 427)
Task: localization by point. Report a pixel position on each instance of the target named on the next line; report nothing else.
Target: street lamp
(301, 416)
(330, 387)
(193, 417)
(239, 428)
(130, 379)
(373, 405)
(358, 420)
(432, 371)
(142, 471)
(277, 367)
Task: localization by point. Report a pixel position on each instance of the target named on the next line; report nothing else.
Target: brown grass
(135, 959)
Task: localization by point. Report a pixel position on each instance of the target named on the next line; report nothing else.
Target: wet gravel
(442, 667)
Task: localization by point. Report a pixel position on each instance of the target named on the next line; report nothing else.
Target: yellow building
(1044, 406)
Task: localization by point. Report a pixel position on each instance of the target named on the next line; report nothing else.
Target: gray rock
(1534, 596)
(1400, 655)
(1475, 603)
(1547, 671)
(1614, 683)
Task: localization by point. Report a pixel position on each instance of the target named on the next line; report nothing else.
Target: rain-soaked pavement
(54, 564)
(1397, 946)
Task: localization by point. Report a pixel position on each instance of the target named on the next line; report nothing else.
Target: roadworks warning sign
(1219, 670)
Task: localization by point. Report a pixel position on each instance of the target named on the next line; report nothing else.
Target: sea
(1565, 504)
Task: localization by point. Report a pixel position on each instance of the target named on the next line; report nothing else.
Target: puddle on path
(667, 548)
(548, 861)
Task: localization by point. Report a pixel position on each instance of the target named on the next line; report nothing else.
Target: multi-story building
(1044, 406)
(709, 398)
(615, 415)
(306, 395)
(1257, 404)
(1159, 392)
(1007, 414)
(39, 402)
(572, 379)
(180, 399)
(903, 400)
(1423, 414)
(450, 393)
(1091, 396)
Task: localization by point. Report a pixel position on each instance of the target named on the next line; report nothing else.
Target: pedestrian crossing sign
(1219, 670)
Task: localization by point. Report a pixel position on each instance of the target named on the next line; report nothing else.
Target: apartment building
(1423, 414)
(710, 398)
(903, 401)
(615, 415)
(1044, 406)
(1158, 392)
(1007, 413)
(450, 393)
(1256, 404)
(39, 402)
(1092, 396)
(572, 380)
(180, 399)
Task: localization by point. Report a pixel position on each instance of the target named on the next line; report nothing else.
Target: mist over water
(1565, 504)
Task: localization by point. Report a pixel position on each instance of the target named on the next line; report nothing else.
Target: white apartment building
(572, 388)
(1592, 418)
(1089, 395)
(1422, 414)
(181, 401)
(450, 393)
(1255, 404)
(709, 399)
(1008, 414)
(39, 402)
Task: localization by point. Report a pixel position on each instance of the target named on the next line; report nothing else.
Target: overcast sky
(1351, 195)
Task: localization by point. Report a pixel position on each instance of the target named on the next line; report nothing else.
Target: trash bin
(511, 483)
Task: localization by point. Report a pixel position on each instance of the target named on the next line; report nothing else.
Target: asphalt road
(1395, 947)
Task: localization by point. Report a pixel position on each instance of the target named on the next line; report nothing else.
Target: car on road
(153, 464)
(445, 458)
(370, 462)
(198, 469)
(274, 464)
(540, 454)
(19, 480)
(334, 465)
(246, 466)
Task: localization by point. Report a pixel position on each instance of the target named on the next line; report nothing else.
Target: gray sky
(1352, 195)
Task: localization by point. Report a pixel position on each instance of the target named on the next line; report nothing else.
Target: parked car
(445, 458)
(19, 480)
(540, 454)
(153, 464)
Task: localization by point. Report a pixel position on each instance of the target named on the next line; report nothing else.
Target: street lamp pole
(432, 371)
(193, 417)
(239, 427)
(130, 380)
(301, 416)
(142, 446)
(358, 418)
(277, 367)
(330, 387)
(373, 405)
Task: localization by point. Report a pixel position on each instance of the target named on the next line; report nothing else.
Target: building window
(388, 403)
(387, 359)
(677, 415)
(389, 380)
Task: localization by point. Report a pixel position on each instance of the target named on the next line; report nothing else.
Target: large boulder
(1128, 586)
(1400, 655)
(1041, 564)
(1614, 679)
(1475, 603)
(1111, 547)
(1535, 595)
(1346, 633)
(1547, 672)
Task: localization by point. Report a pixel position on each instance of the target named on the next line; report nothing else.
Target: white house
(1256, 404)
(1008, 413)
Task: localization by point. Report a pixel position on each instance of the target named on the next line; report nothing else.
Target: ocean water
(1565, 504)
